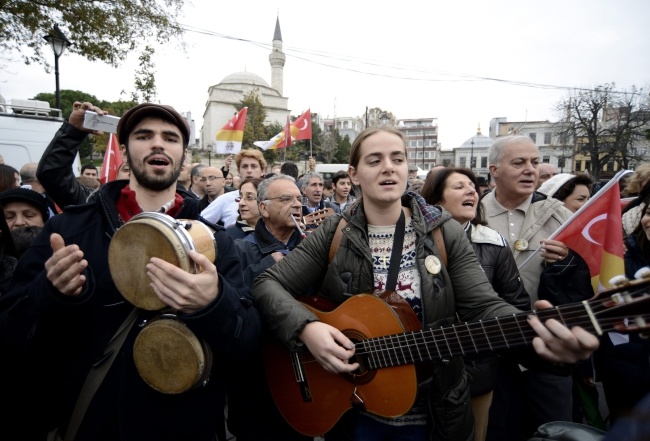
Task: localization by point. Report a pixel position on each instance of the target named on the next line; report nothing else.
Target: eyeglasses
(287, 199)
(250, 197)
(210, 178)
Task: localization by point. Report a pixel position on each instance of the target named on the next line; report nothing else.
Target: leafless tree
(604, 124)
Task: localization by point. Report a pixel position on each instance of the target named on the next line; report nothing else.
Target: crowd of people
(448, 249)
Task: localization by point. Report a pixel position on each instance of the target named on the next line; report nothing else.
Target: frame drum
(169, 357)
(152, 234)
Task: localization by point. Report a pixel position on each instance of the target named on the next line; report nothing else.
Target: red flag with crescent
(112, 160)
(595, 232)
(303, 123)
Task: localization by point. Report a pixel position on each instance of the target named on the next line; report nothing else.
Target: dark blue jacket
(58, 338)
(255, 250)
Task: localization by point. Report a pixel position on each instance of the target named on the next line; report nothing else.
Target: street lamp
(59, 44)
(471, 156)
(384, 119)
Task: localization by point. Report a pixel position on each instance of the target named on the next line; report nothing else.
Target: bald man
(546, 172)
(213, 182)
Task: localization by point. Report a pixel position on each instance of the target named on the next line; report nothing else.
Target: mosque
(225, 96)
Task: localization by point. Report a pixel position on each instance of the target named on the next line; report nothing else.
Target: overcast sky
(413, 58)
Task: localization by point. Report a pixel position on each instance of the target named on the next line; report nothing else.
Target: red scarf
(127, 206)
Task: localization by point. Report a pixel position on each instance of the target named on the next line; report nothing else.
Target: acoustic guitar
(317, 217)
(312, 400)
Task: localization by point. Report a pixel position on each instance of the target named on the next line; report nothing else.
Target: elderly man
(274, 237)
(546, 171)
(526, 219)
(312, 189)
(213, 185)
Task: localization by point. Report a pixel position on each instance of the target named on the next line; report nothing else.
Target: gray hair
(307, 177)
(263, 188)
(495, 154)
(196, 170)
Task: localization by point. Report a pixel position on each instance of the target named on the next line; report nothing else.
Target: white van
(26, 129)
(328, 170)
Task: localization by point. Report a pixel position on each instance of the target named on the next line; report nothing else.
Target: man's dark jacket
(55, 172)
(60, 337)
(255, 250)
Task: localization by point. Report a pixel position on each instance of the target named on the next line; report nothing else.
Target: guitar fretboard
(469, 337)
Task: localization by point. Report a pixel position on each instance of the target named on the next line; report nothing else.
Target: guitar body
(313, 406)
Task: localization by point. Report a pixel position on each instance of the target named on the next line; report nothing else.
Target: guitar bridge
(301, 379)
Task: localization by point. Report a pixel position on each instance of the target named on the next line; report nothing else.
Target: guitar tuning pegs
(643, 273)
(619, 280)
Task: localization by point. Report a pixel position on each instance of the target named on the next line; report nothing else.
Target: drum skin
(150, 235)
(169, 357)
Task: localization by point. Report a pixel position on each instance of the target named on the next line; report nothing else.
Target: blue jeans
(368, 429)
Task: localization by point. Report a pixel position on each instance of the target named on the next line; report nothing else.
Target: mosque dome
(479, 140)
(244, 78)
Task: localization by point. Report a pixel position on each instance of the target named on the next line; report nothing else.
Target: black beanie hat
(31, 197)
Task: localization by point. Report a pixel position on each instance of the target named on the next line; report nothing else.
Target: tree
(92, 143)
(604, 124)
(372, 118)
(343, 153)
(145, 81)
(101, 30)
(255, 130)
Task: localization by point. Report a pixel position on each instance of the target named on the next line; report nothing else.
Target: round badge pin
(521, 245)
(432, 264)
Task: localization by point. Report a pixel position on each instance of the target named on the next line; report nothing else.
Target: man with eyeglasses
(275, 235)
(213, 185)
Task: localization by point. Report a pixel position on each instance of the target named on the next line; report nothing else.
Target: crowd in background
(269, 211)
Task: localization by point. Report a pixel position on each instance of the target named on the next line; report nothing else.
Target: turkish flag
(112, 160)
(303, 124)
(595, 232)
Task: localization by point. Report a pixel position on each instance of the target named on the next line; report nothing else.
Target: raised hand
(65, 267)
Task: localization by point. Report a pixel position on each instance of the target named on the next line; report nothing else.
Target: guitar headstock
(317, 217)
(625, 308)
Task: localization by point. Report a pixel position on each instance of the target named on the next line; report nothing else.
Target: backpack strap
(336, 241)
(440, 244)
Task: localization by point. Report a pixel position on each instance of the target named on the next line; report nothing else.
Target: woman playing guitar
(387, 248)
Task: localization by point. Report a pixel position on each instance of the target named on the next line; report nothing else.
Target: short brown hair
(251, 153)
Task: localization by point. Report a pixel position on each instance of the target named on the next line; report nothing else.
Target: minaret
(276, 59)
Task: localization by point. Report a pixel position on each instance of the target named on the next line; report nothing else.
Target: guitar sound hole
(362, 375)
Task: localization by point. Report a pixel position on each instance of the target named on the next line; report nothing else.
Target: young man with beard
(65, 306)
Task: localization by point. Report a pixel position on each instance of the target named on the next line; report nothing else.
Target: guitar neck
(469, 338)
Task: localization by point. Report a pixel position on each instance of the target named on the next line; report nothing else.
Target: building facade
(421, 136)
(473, 154)
(552, 148)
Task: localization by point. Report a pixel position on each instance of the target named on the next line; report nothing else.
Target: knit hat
(26, 195)
(553, 185)
(136, 114)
